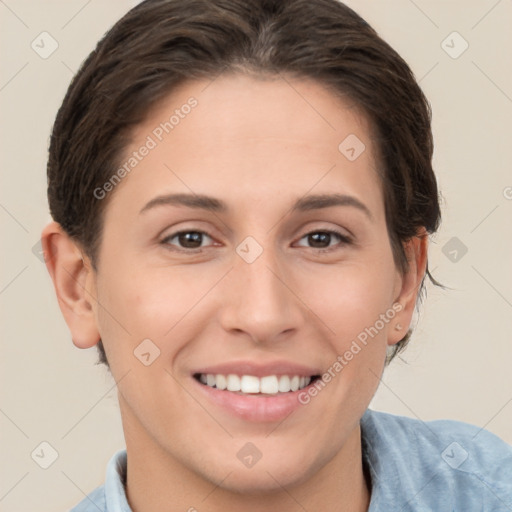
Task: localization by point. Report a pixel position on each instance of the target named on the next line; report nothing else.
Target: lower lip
(255, 408)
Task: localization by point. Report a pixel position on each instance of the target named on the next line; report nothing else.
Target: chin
(266, 476)
(264, 481)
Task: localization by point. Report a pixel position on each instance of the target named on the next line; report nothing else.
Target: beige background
(458, 365)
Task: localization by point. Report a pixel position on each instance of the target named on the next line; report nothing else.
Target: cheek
(351, 297)
(137, 303)
(355, 302)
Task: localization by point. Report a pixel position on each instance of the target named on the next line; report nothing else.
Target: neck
(158, 481)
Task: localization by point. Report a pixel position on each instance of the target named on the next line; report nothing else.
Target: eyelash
(344, 240)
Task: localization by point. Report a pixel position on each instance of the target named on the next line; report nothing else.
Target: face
(247, 249)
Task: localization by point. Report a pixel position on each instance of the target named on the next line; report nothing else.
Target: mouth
(251, 385)
(257, 391)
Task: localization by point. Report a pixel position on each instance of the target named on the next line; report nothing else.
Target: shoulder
(94, 502)
(463, 446)
(450, 459)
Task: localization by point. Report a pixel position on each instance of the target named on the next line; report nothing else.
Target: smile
(252, 385)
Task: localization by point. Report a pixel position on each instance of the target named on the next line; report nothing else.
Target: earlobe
(416, 250)
(74, 283)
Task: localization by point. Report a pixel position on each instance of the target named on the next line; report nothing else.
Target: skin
(257, 145)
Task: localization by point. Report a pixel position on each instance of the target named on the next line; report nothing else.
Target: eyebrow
(212, 204)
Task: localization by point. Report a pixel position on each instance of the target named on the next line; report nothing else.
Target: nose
(261, 300)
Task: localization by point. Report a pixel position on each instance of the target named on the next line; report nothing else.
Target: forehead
(254, 136)
(238, 106)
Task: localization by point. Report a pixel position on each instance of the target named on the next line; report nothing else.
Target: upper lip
(259, 369)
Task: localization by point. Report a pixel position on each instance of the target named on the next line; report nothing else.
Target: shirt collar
(115, 484)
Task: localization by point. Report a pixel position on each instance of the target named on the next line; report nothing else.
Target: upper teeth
(270, 384)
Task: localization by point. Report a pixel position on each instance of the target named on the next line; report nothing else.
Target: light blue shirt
(434, 466)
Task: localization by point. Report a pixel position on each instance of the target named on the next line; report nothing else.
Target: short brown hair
(160, 44)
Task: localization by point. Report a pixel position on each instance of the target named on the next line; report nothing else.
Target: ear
(74, 282)
(408, 285)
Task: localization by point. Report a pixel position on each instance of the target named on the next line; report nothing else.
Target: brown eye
(323, 239)
(187, 239)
